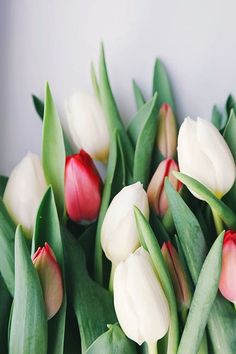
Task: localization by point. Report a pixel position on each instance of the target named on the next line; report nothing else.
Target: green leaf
(145, 144)
(139, 99)
(47, 229)
(112, 341)
(203, 299)
(149, 242)
(5, 308)
(3, 183)
(72, 336)
(115, 181)
(53, 151)
(223, 211)
(38, 105)
(230, 104)
(87, 241)
(113, 116)
(161, 85)
(229, 135)
(93, 305)
(28, 332)
(222, 320)
(7, 239)
(95, 82)
(216, 117)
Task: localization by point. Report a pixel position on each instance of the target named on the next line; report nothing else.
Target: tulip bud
(87, 125)
(140, 303)
(50, 278)
(119, 233)
(166, 132)
(24, 191)
(83, 187)
(178, 275)
(156, 191)
(227, 283)
(204, 155)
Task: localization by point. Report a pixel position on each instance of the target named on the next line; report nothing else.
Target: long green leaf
(5, 308)
(149, 242)
(3, 183)
(161, 85)
(145, 145)
(216, 117)
(53, 151)
(229, 135)
(92, 304)
(28, 331)
(7, 239)
(139, 99)
(112, 341)
(223, 211)
(230, 104)
(95, 82)
(113, 116)
(203, 299)
(222, 319)
(47, 229)
(115, 181)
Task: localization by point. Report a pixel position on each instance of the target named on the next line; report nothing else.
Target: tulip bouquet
(141, 261)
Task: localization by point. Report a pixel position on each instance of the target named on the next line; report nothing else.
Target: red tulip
(178, 275)
(156, 192)
(82, 188)
(50, 278)
(227, 284)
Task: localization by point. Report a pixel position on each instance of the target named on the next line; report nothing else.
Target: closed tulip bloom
(156, 191)
(204, 155)
(227, 284)
(87, 125)
(140, 303)
(166, 131)
(119, 234)
(24, 191)
(50, 278)
(83, 187)
(178, 275)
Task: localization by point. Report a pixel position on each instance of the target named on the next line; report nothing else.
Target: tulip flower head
(119, 233)
(178, 275)
(50, 278)
(156, 191)
(83, 187)
(204, 155)
(166, 131)
(24, 191)
(140, 303)
(227, 283)
(87, 125)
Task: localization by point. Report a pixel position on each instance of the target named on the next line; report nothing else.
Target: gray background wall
(55, 40)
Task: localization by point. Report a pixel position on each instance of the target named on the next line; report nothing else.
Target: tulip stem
(152, 348)
(111, 277)
(217, 221)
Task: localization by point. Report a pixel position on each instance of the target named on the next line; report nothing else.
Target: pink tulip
(178, 275)
(156, 192)
(83, 187)
(227, 283)
(50, 277)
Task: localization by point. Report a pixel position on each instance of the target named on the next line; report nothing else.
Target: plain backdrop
(56, 40)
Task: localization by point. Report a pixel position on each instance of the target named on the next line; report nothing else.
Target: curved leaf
(112, 341)
(28, 331)
(203, 299)
(53, 151)
(149, 242)
(3, 183)
(139, 99)
(5, 309)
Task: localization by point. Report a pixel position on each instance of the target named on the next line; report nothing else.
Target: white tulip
(24, 191)
(119, 234)
(204, 155)
(87, 125)
(140, 303)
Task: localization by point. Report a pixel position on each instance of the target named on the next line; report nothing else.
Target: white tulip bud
(140, 303)
(119, 233)
(87, 125)
(24, 191)
(204, 155)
